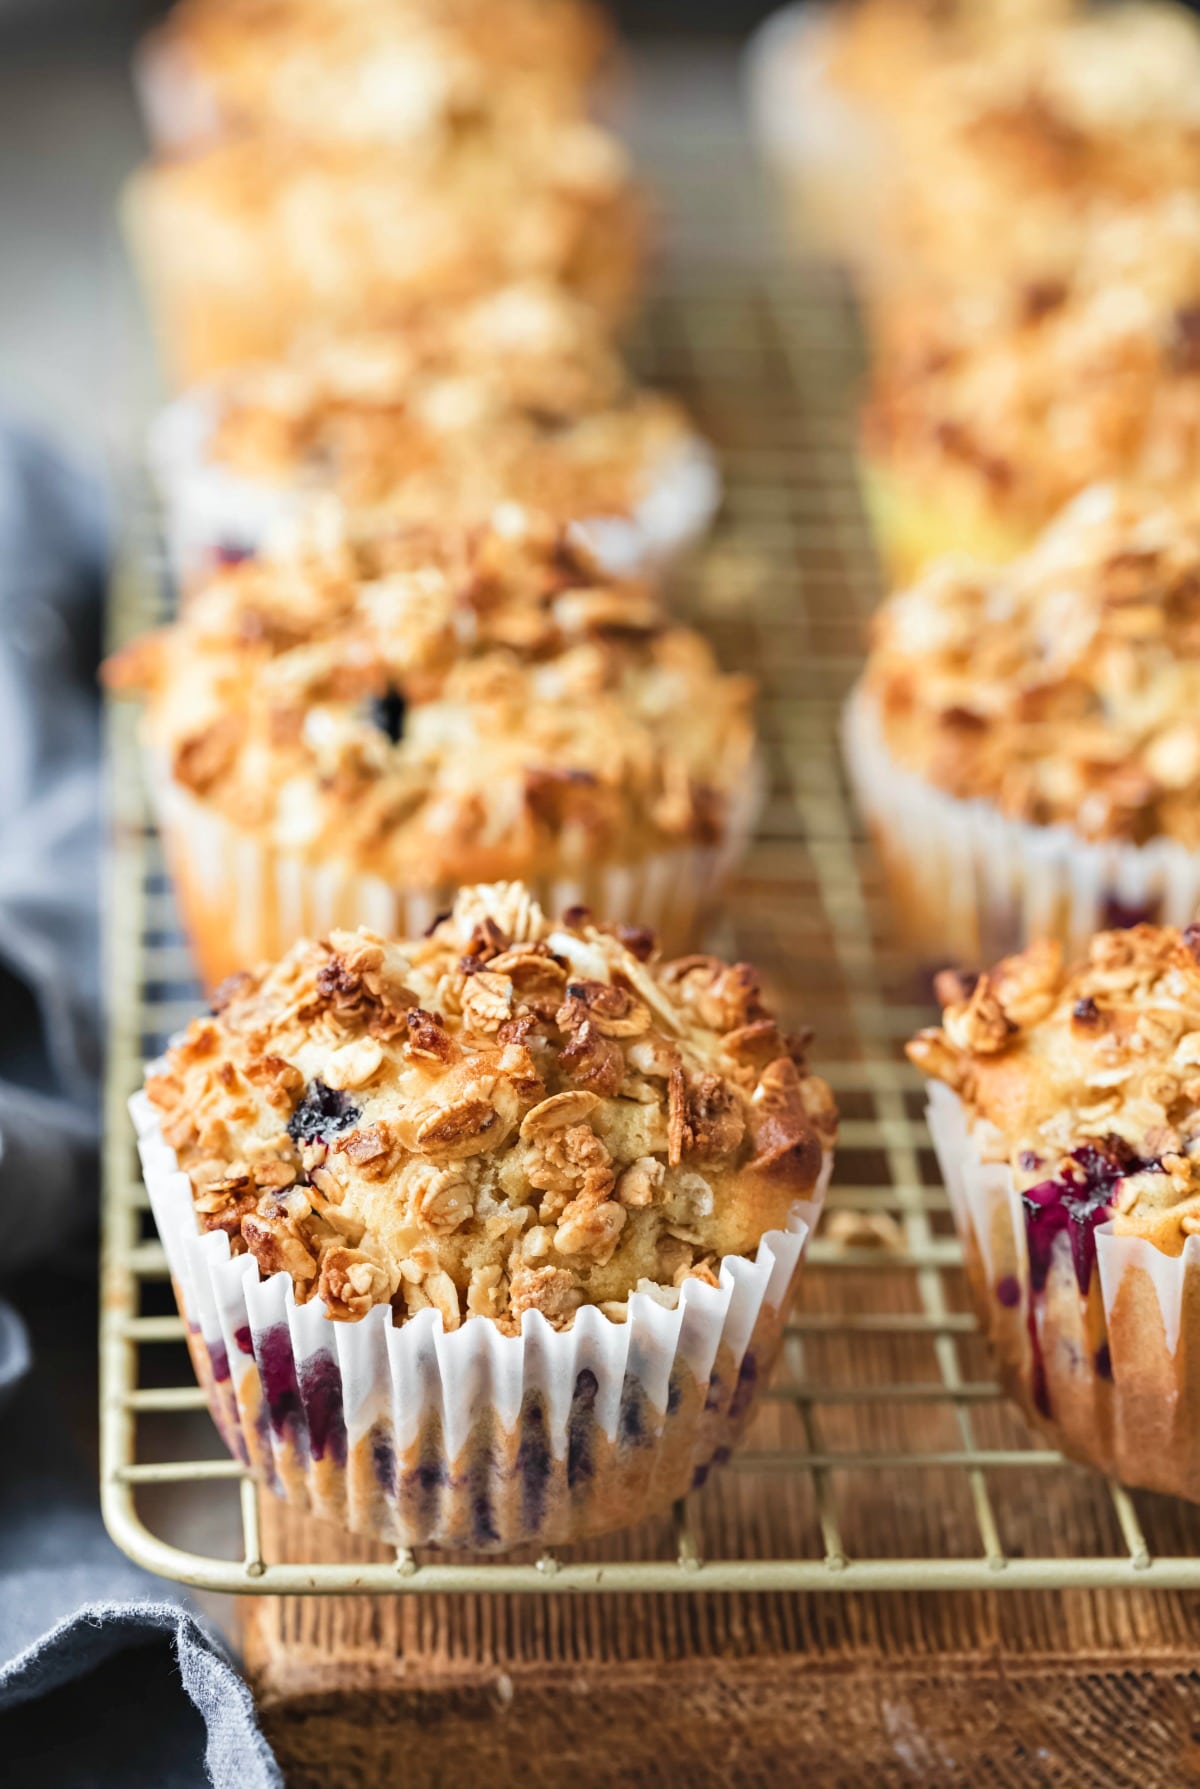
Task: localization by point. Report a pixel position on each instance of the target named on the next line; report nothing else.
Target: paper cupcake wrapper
(829, 153)
(243, 901)
(214, 515)
(472, 1438)
(1105, 1363)
(967, 884)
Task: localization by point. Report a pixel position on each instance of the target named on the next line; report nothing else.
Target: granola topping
(544, 714)
(520, 396)
(497, 1176)
(1018, 398)
(391, 70)
(1085, 1081)
(1064, 687)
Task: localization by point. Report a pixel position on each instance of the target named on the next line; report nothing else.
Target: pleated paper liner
(471, 1438)
(967, 884)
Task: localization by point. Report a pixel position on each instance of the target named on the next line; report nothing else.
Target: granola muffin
(986, 414)
(831, 86)
(347, 734)
(1005, 153)
(392, 71)
(485, 1238)
(248, 245)
(1065, 1108)
(1025, 740)
(520, 396)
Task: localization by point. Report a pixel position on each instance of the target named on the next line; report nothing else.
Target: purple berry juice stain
(281, 1392)
(1073, 1206)
(534, 1464)
(244, 1339)
(218, 1360)
(1117, 915)
(383, 1462)
(321, 1391)
(1008, 1291)
(631, 1421)
(581, 1426)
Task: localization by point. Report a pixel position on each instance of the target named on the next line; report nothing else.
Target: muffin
(390, 71)
(245, 247)
(988, 413)
(1025, 740)
(1006, 152)
(519, 396)
(346, 734)
(831, 86)
(486, 1238)
(1065, 1108)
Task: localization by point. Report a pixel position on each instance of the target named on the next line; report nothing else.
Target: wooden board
(1083, 1688)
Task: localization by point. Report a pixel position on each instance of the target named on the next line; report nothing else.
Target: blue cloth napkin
(106, 1677)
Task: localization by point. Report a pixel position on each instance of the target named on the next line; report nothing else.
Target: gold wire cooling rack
(884, 1456)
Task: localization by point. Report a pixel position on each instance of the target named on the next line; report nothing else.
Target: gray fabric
(106, 1677)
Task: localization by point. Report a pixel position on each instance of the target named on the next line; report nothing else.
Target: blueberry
(387, 712)
(324, 1112)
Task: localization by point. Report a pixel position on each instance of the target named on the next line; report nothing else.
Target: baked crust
(246, 246)
(1085, 1080)
(518, 396)
(1065, 686)
(390, 69)
(505, 1115)
(434, 707)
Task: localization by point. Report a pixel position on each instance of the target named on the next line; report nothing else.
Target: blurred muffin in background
(243, 248)
(986, 413)
(386, 71)
(518, 397)
(831, 86)
(344, 736)
(1006, 154)
(1025, 740)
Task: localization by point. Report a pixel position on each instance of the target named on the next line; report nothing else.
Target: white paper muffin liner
(178, 110)
(969, 885)
(243, 901)
(472, 1438)
(829, 153)
(213, 514)
(1103, 1358)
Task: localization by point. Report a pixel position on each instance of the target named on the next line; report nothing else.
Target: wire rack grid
(884, 1456)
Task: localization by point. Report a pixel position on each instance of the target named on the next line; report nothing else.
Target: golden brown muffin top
(520, 395)
(1027, 395)
(437, 706)
(359, 232)
(1004, 150)
(1085, 1080)
(385, 69)
(1063, 687)
(884, 50)
(506, 1115)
